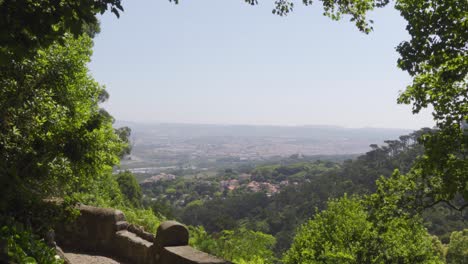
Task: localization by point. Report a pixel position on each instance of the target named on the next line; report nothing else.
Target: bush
(145, 218)
(106, 192)
(23, 246)
(240, 246)
(457, 252)
(130, 188)
(346, 233)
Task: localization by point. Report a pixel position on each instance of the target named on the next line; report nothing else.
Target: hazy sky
(225, 62)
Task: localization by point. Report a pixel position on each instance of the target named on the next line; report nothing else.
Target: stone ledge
(141, 232)
(133, 238)
(105, 231)
(188, 255)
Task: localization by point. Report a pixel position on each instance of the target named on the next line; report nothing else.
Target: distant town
(160, 147)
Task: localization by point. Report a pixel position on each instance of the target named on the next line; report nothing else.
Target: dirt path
(79, 258)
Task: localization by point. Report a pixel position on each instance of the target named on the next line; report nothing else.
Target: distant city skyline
(208, 62)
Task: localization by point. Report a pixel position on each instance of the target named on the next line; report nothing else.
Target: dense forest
(59, 148)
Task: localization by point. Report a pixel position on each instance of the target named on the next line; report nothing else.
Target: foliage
(220, 213)
(395, 203)
(124, 135)
(28, 26)
(106, 192)
(246, 245)
(57, 142)
(440, 249)
(457, 252)
(337, 235)
(146, 218)
(162, 207)
(200, 239)
(103, 191)
(22, 246)
(129, 188)
(444, 167)
(436, 57)
(54, 138)
(240, 246)
(441, 220)
(347, 233)
(298, 172)
(335, 9)
(108, 195)
(395, 196)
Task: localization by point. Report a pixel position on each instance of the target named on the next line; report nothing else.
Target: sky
(226, 62)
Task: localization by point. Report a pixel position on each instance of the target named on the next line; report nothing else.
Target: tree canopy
(129, 187)
(27, 25)
(347, 233)
(458, 248)
(436, 57)
(54, 138)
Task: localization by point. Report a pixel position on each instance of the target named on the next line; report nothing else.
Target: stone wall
(105, 232)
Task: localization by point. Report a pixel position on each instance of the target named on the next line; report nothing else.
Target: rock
(172, 233)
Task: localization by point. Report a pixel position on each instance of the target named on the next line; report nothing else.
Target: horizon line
(152, 122)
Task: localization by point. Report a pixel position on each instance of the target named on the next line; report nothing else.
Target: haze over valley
(156, 147)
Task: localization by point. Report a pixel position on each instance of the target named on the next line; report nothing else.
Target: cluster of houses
(230, 185)
(242, 180)
(159, 177)
(254, 186)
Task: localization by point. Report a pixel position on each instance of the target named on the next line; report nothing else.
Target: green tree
(201, 240)
(436, 57)
(457, 252)
(130, 188)
(347, 233)
(124, 135)
(246, 245)
(340, 234)
(27, 26)
(54, 138)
